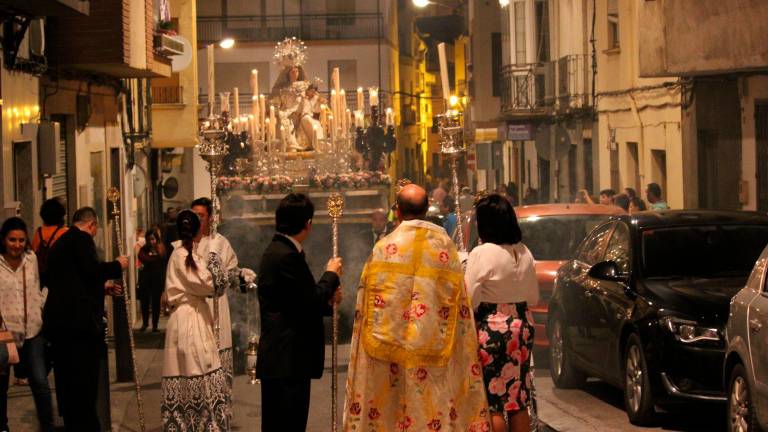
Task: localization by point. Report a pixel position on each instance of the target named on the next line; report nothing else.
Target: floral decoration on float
(256, 184)
(353, 180)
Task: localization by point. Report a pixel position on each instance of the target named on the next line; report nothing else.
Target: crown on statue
(290, 52)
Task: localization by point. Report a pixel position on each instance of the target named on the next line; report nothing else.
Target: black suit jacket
(76, 277)
(292, 307)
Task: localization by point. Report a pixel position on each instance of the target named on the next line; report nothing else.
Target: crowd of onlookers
(628, 199)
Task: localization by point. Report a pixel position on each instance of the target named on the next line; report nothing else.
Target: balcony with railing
(307, 27)
(167, 95)
(552, 88)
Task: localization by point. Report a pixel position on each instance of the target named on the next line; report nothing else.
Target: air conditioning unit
(169, 45)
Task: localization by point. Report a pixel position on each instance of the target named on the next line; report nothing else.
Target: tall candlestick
(348, 122)
(267, 128)
(211, 81)
(373, 95)
(360, 99)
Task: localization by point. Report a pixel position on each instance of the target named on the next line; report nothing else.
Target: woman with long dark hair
(194, 386)
(501, 282)
(153, 258)
(21, 306)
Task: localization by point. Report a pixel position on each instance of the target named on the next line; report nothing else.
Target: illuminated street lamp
(227, 43)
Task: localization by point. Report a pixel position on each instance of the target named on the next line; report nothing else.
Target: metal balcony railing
(167, 95)
(548, 88)
(574, 78)
(523, 88)
(269, 28)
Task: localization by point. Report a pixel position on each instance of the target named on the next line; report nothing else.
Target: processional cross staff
(335, 210)
(113, 195)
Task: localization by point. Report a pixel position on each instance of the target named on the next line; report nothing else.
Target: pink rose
(512, 347)
(482, 337)
(497, 323)
(514, 389)
(511, 406)
(378, 301)
(485, 358)
(510, 371)
(497, 386)
(516, 323)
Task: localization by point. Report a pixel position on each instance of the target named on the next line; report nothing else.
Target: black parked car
(644, 303)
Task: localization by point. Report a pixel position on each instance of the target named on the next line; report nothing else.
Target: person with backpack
(52, 212)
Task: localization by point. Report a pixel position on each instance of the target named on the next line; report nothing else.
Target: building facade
(718, 48)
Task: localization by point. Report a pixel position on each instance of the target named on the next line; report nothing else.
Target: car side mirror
(607, 271)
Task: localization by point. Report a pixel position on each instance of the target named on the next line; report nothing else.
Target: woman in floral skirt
(501, 282)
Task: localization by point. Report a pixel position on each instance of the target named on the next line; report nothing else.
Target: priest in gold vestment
(414, 364)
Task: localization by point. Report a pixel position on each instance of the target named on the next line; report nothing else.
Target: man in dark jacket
(73, 318)
(292, 345)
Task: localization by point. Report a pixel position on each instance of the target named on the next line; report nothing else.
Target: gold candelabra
(213, 150)
(335, 210)
(113, 195)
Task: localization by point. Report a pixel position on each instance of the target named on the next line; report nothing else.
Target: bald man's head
(412, 202)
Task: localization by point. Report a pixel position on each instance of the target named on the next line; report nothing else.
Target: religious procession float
(293, 139)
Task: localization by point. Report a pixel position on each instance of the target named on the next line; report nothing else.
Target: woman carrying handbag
(21, 304)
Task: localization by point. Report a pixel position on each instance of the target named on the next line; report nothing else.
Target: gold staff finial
(335, 205)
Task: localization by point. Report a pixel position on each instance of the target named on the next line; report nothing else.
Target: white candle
(334, 108)
(342, 110)
(359, 122)
(236, 101)
(360, 99)
(262, 112)
(373, 95)
(331, 132)
(347, 122)
(254, 82)
(267, 128)
(336, 80)
(283, 140)
(390, 117)
(272, 122)
(254, 114)
(211, 81)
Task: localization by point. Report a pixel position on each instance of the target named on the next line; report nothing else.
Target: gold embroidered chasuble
(414, 363)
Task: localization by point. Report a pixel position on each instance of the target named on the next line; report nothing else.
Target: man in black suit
(73, 318)
(292, 345)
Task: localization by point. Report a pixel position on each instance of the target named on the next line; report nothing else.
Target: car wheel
(741, 417)
(638, 400)
(564, 374)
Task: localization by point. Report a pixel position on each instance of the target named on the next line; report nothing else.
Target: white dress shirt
(501, 274)
(12, 298)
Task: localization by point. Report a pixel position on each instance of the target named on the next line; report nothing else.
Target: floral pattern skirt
(505, 334)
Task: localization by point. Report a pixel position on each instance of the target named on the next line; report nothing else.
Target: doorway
(761, 142)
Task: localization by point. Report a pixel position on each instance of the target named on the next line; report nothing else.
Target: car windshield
(555, 238)
(702, 251)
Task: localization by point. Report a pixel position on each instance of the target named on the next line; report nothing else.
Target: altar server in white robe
(194, 386)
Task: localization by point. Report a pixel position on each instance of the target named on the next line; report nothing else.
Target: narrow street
(596, 408)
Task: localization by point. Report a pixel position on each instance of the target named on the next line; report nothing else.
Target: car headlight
(688, 331)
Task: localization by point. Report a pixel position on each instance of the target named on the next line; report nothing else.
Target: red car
(552, 232)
